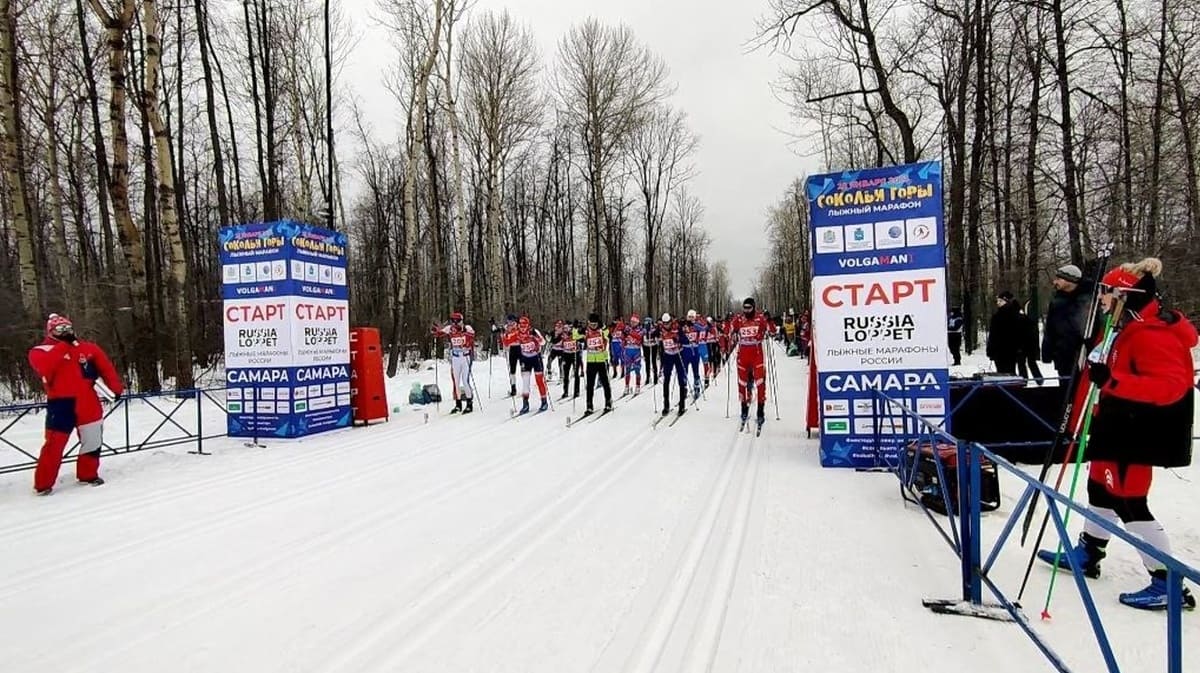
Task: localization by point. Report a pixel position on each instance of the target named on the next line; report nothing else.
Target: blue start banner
(879, 307)
(287, 329)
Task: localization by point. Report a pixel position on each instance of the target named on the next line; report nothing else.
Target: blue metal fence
(961, 527)
(165, 414)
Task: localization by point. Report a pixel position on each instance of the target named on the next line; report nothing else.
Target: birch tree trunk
(420, 100)
(12, 152)
(164, 173)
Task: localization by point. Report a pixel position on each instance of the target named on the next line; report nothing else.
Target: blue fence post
(966, 532)
(1174, 621)
(125, 407)
(199, 423)
(975, 550)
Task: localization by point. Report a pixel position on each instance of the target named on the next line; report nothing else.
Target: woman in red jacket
(69, 369)
(1143, 419)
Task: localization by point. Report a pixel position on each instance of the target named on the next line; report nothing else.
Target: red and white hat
(58, 324)
(1120, 279)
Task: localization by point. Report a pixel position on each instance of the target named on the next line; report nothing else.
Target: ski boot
(524, 406)
(97, 481)
(695, 392)
(565, 395)
(545, 405)
(470, 405)
(457, 407)
(1086, 555)
(760, 420)
(745, 420)
(45, 491)
(682, 404)
(1155, 596)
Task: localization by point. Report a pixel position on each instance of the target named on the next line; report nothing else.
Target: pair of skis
(571, 422)
(1068, 433)
(662, 417)
(758, 426)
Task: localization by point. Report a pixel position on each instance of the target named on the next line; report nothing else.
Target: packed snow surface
(480, 543)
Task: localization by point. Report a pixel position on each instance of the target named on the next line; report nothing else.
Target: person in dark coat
(1006, 334)
(1027, 359)
(1066, 319)
(1143, 420)
(954, 334)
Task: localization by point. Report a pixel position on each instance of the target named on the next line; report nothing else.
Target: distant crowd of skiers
(635, 349)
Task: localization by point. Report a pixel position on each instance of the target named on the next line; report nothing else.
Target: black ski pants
(598, 370)
(570, 364)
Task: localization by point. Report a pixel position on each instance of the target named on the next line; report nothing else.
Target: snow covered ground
(481, 543)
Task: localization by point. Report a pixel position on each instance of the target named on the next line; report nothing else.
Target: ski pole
(772, 375)
(491, 356)
(1084, 414)
(471, 380)
(728, 382)
(653, 393)
(1103, 255)
(1093, 394)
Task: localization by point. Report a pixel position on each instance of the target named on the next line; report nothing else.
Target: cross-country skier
(650, 348)
(568, 342)
(632, 355)
(597, 343)
(462, 353)
(530, 342)
(508, 340)
(673, 340)
(1143, 419)
(747, 333)
(556, 352)
(616, 346)
(692, 346)
(69, 369)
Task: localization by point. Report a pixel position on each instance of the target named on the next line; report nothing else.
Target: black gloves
(1099, 373)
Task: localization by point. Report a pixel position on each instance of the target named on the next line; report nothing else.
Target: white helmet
(692, 314)
(666, 317)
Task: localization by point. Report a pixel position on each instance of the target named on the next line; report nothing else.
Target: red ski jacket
(70, 371)
(1145, 412)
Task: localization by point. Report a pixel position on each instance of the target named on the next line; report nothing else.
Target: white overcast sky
(746, 157)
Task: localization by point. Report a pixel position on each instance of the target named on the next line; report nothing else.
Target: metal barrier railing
(1005, 388)
(142, 421)
(963, 532)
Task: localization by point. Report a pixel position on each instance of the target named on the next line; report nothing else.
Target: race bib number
(529, 348)
(595, 343)
(458, 341)
(670, 344)
(749, 332)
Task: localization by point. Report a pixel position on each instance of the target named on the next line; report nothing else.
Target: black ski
(953, 607)
(1064, 435)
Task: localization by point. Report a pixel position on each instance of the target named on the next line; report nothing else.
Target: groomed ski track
(472, 544)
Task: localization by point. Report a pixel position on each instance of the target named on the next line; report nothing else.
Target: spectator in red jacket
(69, 369)
(1143, 420)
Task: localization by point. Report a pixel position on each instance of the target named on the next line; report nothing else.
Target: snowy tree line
(1062, 124)
(134, 129)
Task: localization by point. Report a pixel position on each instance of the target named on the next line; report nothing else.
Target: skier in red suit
(69, 369)
(747, 333)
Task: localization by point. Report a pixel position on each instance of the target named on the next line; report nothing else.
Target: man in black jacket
(1066, 319)
(1006, 334)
